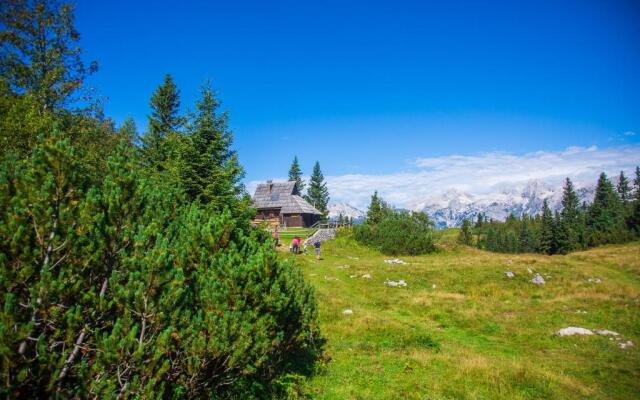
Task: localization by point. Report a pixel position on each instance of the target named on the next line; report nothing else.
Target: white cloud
(630, 133)
(480, 174)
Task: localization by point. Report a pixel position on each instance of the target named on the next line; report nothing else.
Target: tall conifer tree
(317, 193)
(295, 175)
(209, 168)
(605, 218)
(633, 220)
(547, 239)
(623, 188)
(569, 221)
(164, 122)
(374, 213)
(40, 54)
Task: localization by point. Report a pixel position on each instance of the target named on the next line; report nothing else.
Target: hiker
(317, 244)
(295, 245)
(276, 236)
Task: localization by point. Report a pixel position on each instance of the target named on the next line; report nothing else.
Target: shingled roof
(282, 195)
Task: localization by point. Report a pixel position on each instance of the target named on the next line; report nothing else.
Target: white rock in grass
(606, 332)
(529, 270)
(626, 345)
(594, 280)
(509, 274)
(395, 261)
(433, 286)
(400, 283)
(366, 276)
(347, 312)
(572, 330)
(537, 279)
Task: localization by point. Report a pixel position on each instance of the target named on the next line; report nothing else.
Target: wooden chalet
(280, 203)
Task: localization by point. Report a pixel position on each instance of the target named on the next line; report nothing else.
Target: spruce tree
(40, 54)
(158, 144)
(633, 220)
(128, 131)
(374, 212)
(623, 188)
(317, 193)
(466, 233)
(605, 220)
(546, 244)
(479, 221)
(568, 223)
(295, 175)
(209, 169)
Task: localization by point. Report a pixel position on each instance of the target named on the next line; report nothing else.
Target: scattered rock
(594, 280)
(330, 278)
(572, 330)
(509, 274)
(395, 261)
(344, 266)
(347, 312)
(581, 312)
(353, 258)
(537, 279)
(396, 284)
(433, 286)
(529, 270)
(353, 276)
(605, 332)
(625, 345)
(366, 276)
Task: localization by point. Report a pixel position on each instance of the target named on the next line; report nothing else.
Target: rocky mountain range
(450, 208)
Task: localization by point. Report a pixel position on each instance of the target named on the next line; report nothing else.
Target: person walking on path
(317, 247)
(276, 236)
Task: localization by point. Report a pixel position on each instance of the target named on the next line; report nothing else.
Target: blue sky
(370, 88)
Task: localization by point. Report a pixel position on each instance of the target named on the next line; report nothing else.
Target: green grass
(477, 334)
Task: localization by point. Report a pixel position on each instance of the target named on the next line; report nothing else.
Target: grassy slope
(478, 334)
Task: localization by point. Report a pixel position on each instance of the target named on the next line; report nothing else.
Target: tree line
(612, 217)
(128, 265)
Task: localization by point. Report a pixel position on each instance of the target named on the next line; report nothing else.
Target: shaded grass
(477, 334)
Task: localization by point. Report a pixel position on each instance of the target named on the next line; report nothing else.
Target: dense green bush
(123, 288)
(398, 233)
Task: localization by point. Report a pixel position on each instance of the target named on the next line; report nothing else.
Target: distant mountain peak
(452, 207)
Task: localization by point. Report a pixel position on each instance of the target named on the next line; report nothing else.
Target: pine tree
(158, 143)
(128, 131)
(479, 221)
(209, 169)
(623, 188)
(317, 193)
(295, 175)
(547, 239)
(633, 220)
(466, 233)
(374, 212)
(40, 54)
(605, 220)
(568, 224)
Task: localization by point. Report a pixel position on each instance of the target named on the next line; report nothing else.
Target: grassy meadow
(462, 330)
